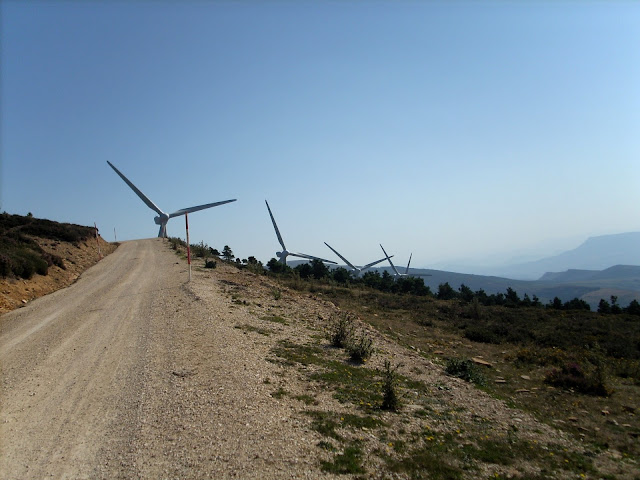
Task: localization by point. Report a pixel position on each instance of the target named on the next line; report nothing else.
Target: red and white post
(186, 221)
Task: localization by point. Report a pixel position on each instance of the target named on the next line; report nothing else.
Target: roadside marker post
(97, 241)
(186, 221)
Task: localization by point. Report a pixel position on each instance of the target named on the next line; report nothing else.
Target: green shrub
(340, 329)
(360, 349)
(579, 378)
(466, 370)
(210, 264)
(390, 400)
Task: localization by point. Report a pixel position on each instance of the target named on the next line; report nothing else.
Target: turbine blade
(406, 272)
(275, 226)
(142, 196)
(199, 207)
(369, 265)
(390, 262)
(343, 259)
(311, 257)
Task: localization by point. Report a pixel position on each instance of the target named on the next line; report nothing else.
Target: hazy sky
(446, 129)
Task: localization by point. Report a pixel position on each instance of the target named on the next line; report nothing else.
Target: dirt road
(127, 373)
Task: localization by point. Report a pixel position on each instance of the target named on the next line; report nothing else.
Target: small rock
(573, 419)
(525, 377)
(522, 390)
(605, 412)
(500, 380)
(479, 361)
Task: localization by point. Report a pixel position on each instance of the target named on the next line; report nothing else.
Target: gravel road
(130, 373)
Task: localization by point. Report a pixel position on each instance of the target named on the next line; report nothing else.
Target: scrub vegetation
(21, 256)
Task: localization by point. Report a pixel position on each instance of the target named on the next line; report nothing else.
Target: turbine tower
(163, 217)
(285, 253)
(357, 270)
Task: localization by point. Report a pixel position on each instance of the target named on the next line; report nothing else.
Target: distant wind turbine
(406, 272)
(357, 270)
(285, 253)
(162, 217)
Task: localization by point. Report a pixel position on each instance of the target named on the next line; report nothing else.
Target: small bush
(390, 400)
(577, 377)
(340, 329)
(210, 264)
(6, 265)
(481, 334)
(360, 349)
(466, 370)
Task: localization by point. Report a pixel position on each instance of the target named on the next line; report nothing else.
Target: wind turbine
(357, 270)
(406, 272)
(162, 217)
(285, 253)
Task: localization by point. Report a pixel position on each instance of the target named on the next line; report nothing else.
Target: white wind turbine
(406, 272)
(357, 270)
(162, 217)
(285, 253)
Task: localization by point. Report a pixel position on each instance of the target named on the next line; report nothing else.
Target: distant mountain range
(599, 268)
(596, 253)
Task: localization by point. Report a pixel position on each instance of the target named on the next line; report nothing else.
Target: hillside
(39, 256)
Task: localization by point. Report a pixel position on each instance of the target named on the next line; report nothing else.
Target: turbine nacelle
(161, 219)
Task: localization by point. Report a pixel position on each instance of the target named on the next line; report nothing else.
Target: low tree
(577, 304)
(319, 269)
(615, 308)
(555, 304)
(603, 306)
(446, 292)
(304, 270)
(633, 308)
(227, 253)
(511, 298)
(341, 275)
(276, 266)
(466, 293)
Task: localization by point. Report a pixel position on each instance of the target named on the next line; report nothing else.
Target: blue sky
(453, 130)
